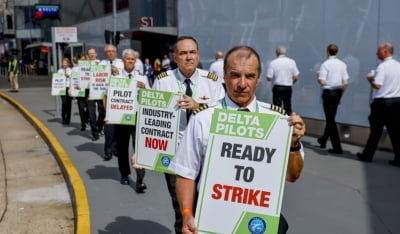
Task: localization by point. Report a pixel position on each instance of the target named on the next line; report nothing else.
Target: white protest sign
(75, 88)
(121, 101)
(84, 73)
(58, 84)
(251, 151)
(98, 81)
(157, 129)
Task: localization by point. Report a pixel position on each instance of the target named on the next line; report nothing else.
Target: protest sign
(84, 73)
(75, 88)
(157, 129)
(58, 85)
(121, 101)
(98, 81)
(251, 151)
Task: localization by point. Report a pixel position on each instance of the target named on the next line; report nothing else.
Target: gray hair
(281, 49)
(128, 52)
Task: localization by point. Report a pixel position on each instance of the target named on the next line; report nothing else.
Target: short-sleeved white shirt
(334, 72)
(217, 67)
(282, 70)
(189, 158)
(139, 66)
(205, 89)
(388, 76)
(116, 62)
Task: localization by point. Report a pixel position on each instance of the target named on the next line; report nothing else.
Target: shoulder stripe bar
(278, 109)
(162, 75)
(212, 76)
(202, 107)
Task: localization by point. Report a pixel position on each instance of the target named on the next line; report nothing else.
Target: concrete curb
(71, 175)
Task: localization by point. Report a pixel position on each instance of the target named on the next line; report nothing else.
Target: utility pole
(114, 21)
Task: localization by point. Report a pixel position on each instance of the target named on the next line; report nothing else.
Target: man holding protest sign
(123, 132)
(198, 87)
(242, 69)
(96, 121)
(117, 65)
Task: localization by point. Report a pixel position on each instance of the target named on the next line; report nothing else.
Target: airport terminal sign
(157, 129)
(251, 151)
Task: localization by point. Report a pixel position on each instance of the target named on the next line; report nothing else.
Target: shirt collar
(182, 78)
(388, 58)
(125, 73)
(233, 106)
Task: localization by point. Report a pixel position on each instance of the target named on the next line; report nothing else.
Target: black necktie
(130, 75)
(188, 92)
(244, 109)
(188, 89)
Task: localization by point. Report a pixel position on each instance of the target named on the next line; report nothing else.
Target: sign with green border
(98, 80)
(244, 173)
(58, 84)
(157, 129)
(76, 89)
(121, 101)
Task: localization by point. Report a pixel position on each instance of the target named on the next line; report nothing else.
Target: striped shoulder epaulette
(278, 109)
(212, 76)
(162, 75)
(202, 107)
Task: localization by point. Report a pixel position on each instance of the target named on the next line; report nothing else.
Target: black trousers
(96, 121)
(171, 181)
(331, 99)
(66, 102)
(83, 111)
(282, 95)
(384, 112)
(122, 137)
(109, 140)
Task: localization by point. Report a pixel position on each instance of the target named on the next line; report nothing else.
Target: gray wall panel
(306, 27)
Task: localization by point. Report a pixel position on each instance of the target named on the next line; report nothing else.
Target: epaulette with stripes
(202, 107)
(212, 76)
(278, 109)
(162, 75)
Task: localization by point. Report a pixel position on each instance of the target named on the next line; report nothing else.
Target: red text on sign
(241, 195)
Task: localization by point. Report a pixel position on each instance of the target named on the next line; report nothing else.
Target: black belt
(387, 99)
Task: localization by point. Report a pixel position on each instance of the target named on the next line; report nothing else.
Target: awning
(38, 44)
(142, 32)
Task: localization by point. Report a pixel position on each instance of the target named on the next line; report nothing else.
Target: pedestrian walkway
(335, 193)
(34, 197)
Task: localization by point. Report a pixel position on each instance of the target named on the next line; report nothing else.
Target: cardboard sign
(157, 129)
(98, 81)
(121, 101)
(75, 88)
(58, 84)
(251, 151)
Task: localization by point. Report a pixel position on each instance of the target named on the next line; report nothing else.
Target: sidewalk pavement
(34, 197)
(335, 194)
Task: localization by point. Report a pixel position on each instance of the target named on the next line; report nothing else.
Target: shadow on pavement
(96, 147)
(127, 225)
